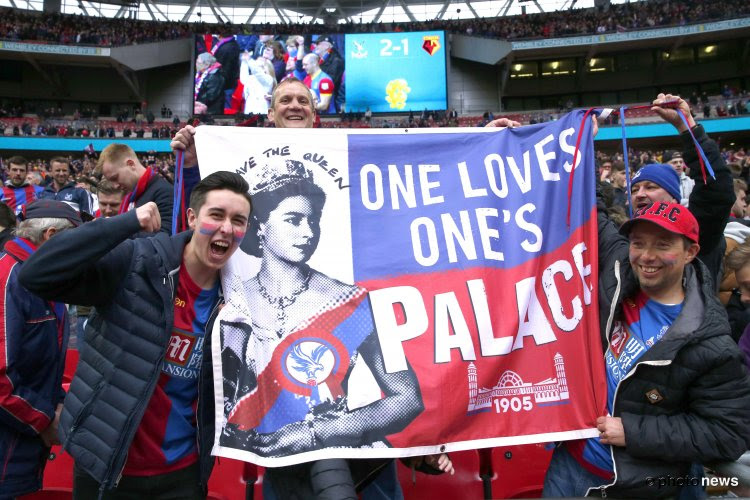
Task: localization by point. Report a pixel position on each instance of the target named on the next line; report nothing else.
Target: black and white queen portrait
(294, 340)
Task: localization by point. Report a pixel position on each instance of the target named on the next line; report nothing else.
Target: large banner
(407, 292)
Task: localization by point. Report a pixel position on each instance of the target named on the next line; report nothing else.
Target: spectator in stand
(295, 48)
(209, 86)
(110, 198)
(618, 180)
(320, 83)
(738, 262)
(740, 204)
(258, 81)
(674, 158)
(18, 191)
(33, 343)
(120, 165)
(62, 188)
(735, 234)
(35, 178)
(227, 54)
(332, 64)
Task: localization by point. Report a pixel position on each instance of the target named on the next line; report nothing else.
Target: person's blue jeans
(566, 478)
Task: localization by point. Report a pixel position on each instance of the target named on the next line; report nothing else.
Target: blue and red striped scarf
(129, 201)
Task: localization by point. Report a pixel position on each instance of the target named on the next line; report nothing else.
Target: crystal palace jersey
(645, 323)
(166, 438)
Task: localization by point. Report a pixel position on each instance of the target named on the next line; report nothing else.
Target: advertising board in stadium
(385, 72)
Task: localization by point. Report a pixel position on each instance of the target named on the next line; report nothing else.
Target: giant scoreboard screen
(396, 72)
(385, 72)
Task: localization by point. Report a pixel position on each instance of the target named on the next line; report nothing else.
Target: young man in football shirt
(136, 420)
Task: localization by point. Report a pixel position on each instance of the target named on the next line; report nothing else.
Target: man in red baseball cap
(677, 391)
(663, 240)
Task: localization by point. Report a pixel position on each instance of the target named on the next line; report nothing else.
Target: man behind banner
(120, 165)
(292, 106)
(677, 388)
(63, 189)
(132, 417)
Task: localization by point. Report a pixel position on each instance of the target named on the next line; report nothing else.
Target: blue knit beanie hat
(661, 174)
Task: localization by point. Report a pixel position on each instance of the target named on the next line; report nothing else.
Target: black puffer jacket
(160, 192)
(710, 202)
(688, 398)
(132, 284)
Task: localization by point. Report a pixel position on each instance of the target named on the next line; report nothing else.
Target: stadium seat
(518, 471)
(228, 479)
(58, 475)
(49, 494)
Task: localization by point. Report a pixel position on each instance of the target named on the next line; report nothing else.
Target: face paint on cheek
(669, 259)
(208, 229)
(238, 236)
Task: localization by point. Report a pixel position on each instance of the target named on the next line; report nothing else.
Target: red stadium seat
(518, 471)
(49, 494)
(227, 480)
(58, 475)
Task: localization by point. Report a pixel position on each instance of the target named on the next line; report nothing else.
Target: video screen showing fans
(235, 74)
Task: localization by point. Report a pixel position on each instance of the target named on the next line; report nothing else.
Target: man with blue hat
(710, 201)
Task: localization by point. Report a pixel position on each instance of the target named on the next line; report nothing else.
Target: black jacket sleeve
(714, 426)
(84, 265)
(710, 202)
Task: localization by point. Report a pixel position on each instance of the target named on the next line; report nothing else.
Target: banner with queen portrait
(407, 292)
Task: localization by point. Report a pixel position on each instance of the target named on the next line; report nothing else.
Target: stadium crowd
(84, 30)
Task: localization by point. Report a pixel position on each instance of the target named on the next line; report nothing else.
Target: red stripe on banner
(546, 373)
(250, 410)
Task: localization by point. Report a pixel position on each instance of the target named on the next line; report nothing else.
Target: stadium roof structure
(313, 11)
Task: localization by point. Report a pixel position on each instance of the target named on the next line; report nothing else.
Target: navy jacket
(33, 340)
(77, 198)
(132, 283)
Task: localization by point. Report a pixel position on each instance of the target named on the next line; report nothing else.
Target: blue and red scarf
(129, 201)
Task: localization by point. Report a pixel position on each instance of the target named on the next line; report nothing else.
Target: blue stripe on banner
(464, 200)
(286, 409)
(354, 329)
